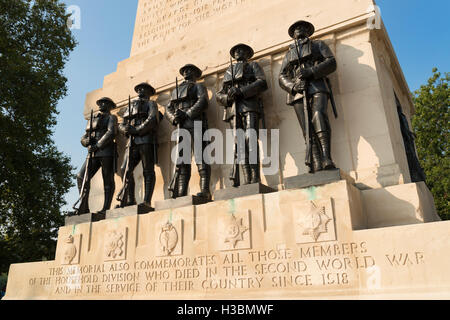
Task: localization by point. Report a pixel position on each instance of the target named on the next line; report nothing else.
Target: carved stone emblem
(168, 238)
(169, 241)
(115, 245)
(314, 222)
(70, 250)
(234, 231)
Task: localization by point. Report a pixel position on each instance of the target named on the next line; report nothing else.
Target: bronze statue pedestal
(128, 211)
(83, 218)
(242, 191)
(179, 202)
(316, 179)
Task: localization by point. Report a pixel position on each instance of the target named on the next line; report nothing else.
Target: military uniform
(104, 130)
(143, 118)
(249, 77)
(316, 58)
(190, 99)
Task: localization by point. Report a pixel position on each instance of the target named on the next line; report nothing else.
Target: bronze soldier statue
(243, 83)
(304, 76)
(188, 103)
(140, 125)
(99, 139)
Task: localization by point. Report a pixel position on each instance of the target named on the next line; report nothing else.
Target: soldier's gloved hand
(299, 86)
(235, 94)
(306, 73)
(180, 116)
(131, 130)
(93, 148)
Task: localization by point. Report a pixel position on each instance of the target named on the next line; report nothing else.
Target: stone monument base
(128, 211)
(83, 218)
(180, 202)
(322, 242)
(316, 179)
(241, 191)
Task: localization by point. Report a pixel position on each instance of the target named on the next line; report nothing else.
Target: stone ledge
(128, 211)
(83, 218)
(179, 202)
(316, 179)
(242, 191)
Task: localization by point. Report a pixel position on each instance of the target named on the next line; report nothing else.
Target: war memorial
(333, 206)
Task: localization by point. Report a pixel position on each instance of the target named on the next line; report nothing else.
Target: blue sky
(418, 30)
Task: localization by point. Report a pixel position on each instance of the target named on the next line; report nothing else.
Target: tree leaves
(431, 124)
(34, 176)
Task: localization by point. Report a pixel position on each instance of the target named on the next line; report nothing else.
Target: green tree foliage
(431, 124)
(34, 176)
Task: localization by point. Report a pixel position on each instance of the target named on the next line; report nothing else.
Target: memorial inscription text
(320, 265)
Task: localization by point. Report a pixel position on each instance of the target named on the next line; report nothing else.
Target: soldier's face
(239, 54)
(142, 93)
(300, 33)
(188, 74)
(103, 106)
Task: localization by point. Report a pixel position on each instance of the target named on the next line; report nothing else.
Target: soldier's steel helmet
(148, 88)
(247, 49)
(110, 103)
(197, 71)
(303, 24)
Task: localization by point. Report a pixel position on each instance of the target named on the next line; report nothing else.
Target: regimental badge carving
(115, 244)
(314, 221)
(169, 241)
(168, 238)
(71, 250)
(235, 231)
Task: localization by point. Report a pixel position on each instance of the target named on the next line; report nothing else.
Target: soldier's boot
(247, 174)
(182, 185)
(205, 178)
(149, 181)
(84, 206)
(130, 196)
(325, 148)
(109, 192)
(316, 158)
(183, 180)
(255, 174)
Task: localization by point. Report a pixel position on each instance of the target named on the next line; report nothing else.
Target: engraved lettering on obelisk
(161, 19)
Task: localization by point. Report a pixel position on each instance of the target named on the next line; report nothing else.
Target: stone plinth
(316, 179)
(128, 211)
(83, 218)
(180, 202)
(309, 243)
(241, 191)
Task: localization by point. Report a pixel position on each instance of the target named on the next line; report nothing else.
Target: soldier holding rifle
(140, 125)
(304, 76)
(99, 139)
(243, 83)
(188, 103)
